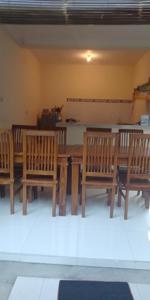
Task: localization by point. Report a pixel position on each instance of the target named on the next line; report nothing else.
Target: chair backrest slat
(6, 152)
(61, 135)
(124, 136)
(39, 152)
(139, 157)
(99, 154)
(18, 136)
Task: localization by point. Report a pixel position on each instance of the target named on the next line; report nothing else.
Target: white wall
(59, 82)
(19, 83)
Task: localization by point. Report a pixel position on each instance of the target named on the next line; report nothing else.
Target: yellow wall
(141, 75)
(19, 83)
(59, 82)
(26, 87)
(142, 70)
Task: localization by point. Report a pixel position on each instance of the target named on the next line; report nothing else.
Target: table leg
(63, 187)
(74, 187)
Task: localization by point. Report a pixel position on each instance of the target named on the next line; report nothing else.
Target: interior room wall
(141, 76)
(19, 83)
(59, 82)
(27, 86)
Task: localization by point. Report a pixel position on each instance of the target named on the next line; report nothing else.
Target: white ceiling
(81, 36)
(76, 56)
(123, 44)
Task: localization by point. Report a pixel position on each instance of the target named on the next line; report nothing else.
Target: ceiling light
(89, 57)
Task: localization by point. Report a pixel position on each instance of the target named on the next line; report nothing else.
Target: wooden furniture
(137, 177)
(99, 164)
(6, 163)
(17, 131)
(39, 163)
(62, 135)
(75, 152)
(124, 135)
(95, 129)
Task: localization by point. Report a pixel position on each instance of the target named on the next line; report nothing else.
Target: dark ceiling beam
(75, 12)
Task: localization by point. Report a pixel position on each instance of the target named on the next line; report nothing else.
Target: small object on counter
(71, 120)
(145, 120)
(49, 118)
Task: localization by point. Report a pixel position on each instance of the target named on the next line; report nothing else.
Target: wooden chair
(95, 129)
(6, 163)
(99, 164)
(17, 130)
(39, 163)
(124, 136)
(137, 177)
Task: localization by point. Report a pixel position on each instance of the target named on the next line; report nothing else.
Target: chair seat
(135, 182)
(139, 184)
(39, 181)
(5, 179)
(100, 182)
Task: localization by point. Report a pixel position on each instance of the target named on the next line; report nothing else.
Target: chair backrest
(61, 135)
(95, 129)
(39, 153)
(124, 137)
(18, 136)
(99, 154)
(6, 152)
(139, 157)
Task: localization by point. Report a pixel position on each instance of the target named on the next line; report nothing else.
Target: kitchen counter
(75, 130)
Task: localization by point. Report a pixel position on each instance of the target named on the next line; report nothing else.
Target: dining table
(70, 154)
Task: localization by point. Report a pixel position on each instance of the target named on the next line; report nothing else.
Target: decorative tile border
(125, 101)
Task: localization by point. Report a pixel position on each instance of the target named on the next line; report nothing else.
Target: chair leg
(146, 196)
(126, 205)
(109, 192)
(119, 198)
(24, 199)
(116, 190)
(29, 194)
(83, 200)
(57, 196)
(138, 193)
(147, 203)
(54, 201)
(112, 202)
(2, 191)
(35, 192)
(12, 198)
(80, 197)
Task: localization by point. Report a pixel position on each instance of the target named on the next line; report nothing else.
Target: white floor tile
(47, 289)
(94, 240)
(27, 289)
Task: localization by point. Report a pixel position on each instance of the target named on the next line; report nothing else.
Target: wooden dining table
(74, 154)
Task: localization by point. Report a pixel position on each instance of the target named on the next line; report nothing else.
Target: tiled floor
(95, 240)
(46, 289)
